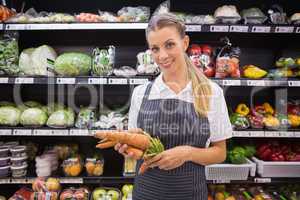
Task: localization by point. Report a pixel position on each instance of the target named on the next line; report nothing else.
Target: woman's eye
(154, 50)
(169, 45)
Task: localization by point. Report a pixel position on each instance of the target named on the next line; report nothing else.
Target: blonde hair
(200, 83)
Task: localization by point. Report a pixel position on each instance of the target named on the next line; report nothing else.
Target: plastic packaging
(103, 61)
(125, 71)
(46, 164)
(129, 167)
(106, 193)
(17, 162)
(20, 171)
(164, 7)
(4, 161)
(45, 195)
(134, 14)
(94, 167)
(18, 151)
(4, 171)
(72, 167)
(75, 194)
(146, 64)
(253, 16)
(200, 19)
(9, 53)
(85, 118)
(227, 14)
(4, 151)
(277, 15)
(295, 18)
(108, 16)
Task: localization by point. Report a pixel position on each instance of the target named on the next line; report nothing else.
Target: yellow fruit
(90, 167)
(251, 71)
(294, 120)
(219, 196)
(52, 184)
(98, 171)
(75, 169)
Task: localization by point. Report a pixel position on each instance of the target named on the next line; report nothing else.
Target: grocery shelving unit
(270, 41)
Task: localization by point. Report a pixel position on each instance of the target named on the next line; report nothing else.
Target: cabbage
(86, 118)
(29, 104)
(33, 61)
(52, 107)
(7, 103)
(33, 117)
(73, 64)
(9, 116)
(61, 119)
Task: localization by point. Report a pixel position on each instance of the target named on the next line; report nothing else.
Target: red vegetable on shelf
(194, 49)
(293, 109)
(277, 157)
(264, 152)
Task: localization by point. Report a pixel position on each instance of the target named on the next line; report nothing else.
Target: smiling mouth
(167, 64)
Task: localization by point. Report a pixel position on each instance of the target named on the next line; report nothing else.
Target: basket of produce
(276, 159)
(237, 166)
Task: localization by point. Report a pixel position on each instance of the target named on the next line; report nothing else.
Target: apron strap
(147, 92)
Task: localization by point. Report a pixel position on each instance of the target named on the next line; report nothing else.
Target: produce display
(46, 163)
(5, 13)
(94, 166)
(102, 193)
(253, 72)
(140, 144)
(103, 61)
(127, 191)
(278, 151)
(129, 167)
(227, 14)
(286, 68)
(9, 53)
(146, 64)
(75, 193)
(111, 120)
(253, 16)
(239, 154)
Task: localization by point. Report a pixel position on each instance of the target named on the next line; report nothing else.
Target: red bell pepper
(264, 152)
(206, 49)
(277, 157)
(195, 49)
(293, 109)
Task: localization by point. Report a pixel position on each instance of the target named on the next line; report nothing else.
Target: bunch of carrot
(5, 13)
(140, 144)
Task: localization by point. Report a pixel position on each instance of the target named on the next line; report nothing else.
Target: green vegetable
(237, 155)
(9, 55)
(73, 64)
(86, 118)
(6, 103)
(52, 107)
(33, 117)
(239, 121)
(285, 62)
(103, 61)
(29, 104)
(61, 119)
(9, 116)
(249, 151)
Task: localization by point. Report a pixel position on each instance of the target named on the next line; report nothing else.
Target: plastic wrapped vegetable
(9, 116)
(253, 16)
(146, 64)
(103, 61)
(9, 54)
(125, 71)
(33, 61)
(227, 14)
(108, 17)
(277, 15)
(239, 121)
(86, 118)
(61, 18)
(134, 14)
(295, 18)
(164, 7)
(73, 64)
(61, 119)
(33, 117)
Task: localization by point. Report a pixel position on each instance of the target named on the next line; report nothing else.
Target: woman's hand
(170, 159)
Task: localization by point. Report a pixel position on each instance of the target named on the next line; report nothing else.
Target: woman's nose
(163, 54)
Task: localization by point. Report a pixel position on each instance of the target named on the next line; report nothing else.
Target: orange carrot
(143, 168)
(107, 144)
(136, 140)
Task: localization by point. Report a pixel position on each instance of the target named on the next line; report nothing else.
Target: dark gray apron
(175, 123)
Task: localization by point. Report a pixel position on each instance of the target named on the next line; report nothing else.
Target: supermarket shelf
(141, 26)
(46, 131)
(122, 180)
(137, 80)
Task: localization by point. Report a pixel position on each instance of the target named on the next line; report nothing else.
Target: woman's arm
(214, 154)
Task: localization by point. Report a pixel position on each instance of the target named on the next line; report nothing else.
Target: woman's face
(168, 48)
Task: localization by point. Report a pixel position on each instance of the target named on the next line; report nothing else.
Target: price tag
(14, 26)
(60, 132)
(3, 80)
(220, 181)
(241, 134)
(42, 132)
(262, 180)
(239, 29)
(287, 134)
(19, 180)
(137, 81)
(4, 180)
(294, 83)
(284, 29)
(194, 28)
(232, 82)
(4, 132)
(65, 80)
(297, 134)
(24, 132)
(256, 83)
(97, 81)
(261, 29)
(24, 80)
(71, 180)
(219, 28)
(117, 81)
(272, 134)
(1, 26)
(79, 132)
(298, 30)
(257, 134)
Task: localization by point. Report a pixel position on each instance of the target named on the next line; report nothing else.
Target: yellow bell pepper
(268, 108)
(294, 120)
(242, 109)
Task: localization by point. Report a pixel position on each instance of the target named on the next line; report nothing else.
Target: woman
(185, 110)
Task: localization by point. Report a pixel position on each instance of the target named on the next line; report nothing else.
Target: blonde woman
(185, 110)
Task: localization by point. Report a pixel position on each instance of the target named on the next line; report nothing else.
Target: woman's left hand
(170, 159)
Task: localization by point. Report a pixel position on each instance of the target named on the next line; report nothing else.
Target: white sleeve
(219, 123)
(135, 105)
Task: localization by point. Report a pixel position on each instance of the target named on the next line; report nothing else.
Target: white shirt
(219, 123)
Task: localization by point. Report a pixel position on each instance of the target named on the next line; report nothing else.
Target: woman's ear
(186, 42)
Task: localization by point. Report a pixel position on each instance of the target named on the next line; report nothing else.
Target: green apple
(98, 193)
(127, 189)
(113, 194)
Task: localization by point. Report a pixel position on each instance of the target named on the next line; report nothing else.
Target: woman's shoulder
(140, 89)
(215, 88)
